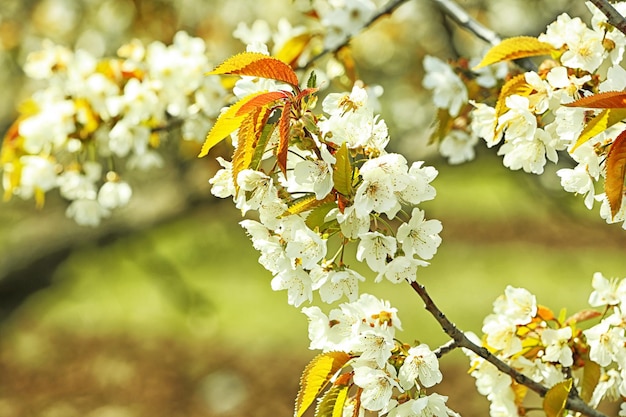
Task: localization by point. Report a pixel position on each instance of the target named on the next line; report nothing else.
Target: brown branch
(574, 402)
(613, 16)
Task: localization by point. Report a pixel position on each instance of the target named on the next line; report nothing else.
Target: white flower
(401, 269)
(606, 292)
(222, 182)
(74, 185)
(557, 349)
(259, 31)
(529, 154)
(374, 345)
(317, 173)
(484, 123)
(433, 405)
(578, 181)
(605, 342)
(297, 283)
(114, 194)
(449, 91)
(458, 146)
(86, 212)
(38, 174)
(501, 335)
(422, 364)
(375, 248)
(307, 247)
(377, 385)
(352, 225)
(518, 305)
(332, 285)
(615, 79)
(419, 236)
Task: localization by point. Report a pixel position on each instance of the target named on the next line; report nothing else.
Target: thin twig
(445, 348)
(386, 10)
(463, 19)
(574, 403)
(613, 16)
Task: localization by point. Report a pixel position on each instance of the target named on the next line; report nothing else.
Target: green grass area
(198, 277)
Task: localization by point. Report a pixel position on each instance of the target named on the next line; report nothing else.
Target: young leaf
(255, 64)
(259, 150)
(600, 123)
(293, 48)
(581, 316)
(227, 122)
(331, 404)
(317, 217)
(591, 377)
(516, 85)
(308, 202)
(249, 133)
(342, 171)
(556, 397)
(284, 129)
(515, 48)
(316, 376)
(615, 172)
(607, 100)
(261, 100)
(443, 125)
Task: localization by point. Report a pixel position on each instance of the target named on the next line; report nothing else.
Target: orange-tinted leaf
(261, 100)
(591, 377)
(316, 376)
(556, 397)
(607, 100)
(255, 64)
(344, 55)
(293, 48)
(284, 129)
(581, 316)
(545, 313)
(599, 124)
(248, 137)
(227, 122)
(515, 48)
(516, 85)
(615, 171)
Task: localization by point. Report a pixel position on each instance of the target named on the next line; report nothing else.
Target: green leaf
(259, 150)
(599, 124)
(591, 377)
(316, 376)
(331, 404)
(615, 173)
(556, 398)
(342, 171)
(317, 217)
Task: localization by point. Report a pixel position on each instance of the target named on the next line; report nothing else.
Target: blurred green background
(164, 311)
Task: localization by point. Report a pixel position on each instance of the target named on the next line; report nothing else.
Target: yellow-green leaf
(342, 171)
(443, 125)
(227, 122)
(556, 398)
(316, 376)
(293, 48)
(515, 48)
(261, 145)
(591, 377)
(615, 172)
(599, 124)
(255, 64)
(308, 202)
(332, 402)
(317, 218)
(606, 100)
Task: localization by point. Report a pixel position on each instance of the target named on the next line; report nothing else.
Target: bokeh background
(164, 311)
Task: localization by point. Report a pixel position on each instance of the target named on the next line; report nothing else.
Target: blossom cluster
(392, 376)
(93, 119)
(550, 349)
(341, 189)
(526, 116)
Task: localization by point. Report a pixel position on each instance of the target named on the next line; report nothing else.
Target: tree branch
(386, 10)
(574, 402)
(613, 16)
